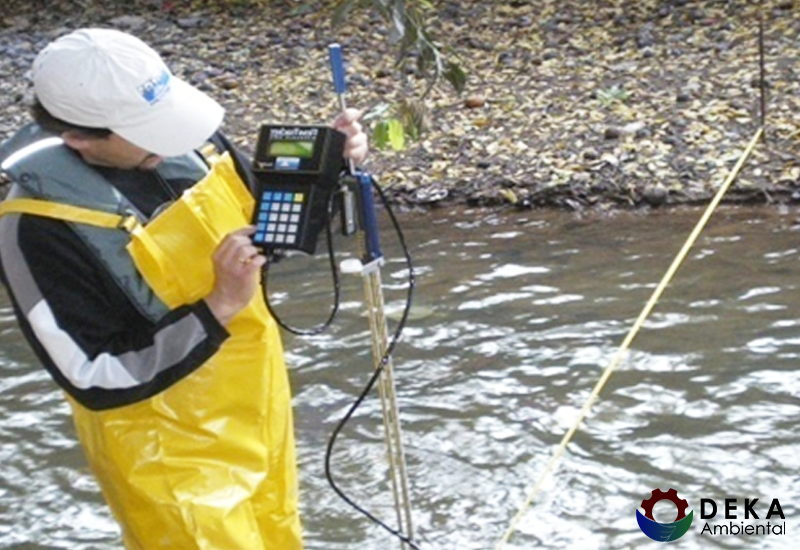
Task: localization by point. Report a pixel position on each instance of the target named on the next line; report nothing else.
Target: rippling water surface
(515, 317)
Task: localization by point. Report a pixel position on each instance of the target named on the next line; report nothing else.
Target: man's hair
(57, 126)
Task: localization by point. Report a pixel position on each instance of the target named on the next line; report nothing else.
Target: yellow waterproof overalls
(208, 463)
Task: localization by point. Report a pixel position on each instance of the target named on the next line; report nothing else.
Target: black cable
(334, 277)
(762, 83)
(381, 365)
(373, 379)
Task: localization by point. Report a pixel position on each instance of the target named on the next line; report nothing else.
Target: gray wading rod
(369, 268)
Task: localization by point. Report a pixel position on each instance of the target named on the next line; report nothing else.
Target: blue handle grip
(369, 220)
(337, 66)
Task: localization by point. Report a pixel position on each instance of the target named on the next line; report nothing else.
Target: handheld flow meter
(297, 169)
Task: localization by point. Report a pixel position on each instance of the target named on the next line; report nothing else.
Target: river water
(515, 317)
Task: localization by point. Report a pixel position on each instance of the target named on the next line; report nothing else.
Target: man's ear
(76, 140)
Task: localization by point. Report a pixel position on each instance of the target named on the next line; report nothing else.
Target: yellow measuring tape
(631, 335)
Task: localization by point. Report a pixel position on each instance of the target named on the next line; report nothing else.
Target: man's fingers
(347, 118)
(246, 230)
(247, 254)
(237, 247)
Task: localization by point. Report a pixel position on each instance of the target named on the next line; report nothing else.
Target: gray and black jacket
(85, 324)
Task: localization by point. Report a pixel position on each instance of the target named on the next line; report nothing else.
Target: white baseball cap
(103, 78)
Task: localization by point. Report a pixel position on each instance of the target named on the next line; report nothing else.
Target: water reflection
(515, 318)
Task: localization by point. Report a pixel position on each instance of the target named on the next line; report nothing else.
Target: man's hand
(237, 263)
(356, 147)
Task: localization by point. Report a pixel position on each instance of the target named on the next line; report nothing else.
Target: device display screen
(301, 149)
(297, 170)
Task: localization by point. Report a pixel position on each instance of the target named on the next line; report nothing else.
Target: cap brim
(180, 122)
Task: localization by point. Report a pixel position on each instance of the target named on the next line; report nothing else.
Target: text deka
(293, 133)
(731, 508)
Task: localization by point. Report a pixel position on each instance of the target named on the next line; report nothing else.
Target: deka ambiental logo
(667, 532)
(664, 532)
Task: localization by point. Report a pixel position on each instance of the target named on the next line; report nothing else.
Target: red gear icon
(659, 495)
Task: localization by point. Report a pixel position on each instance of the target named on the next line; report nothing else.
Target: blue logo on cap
(155, 88)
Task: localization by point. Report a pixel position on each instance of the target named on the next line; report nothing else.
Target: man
(128, 260)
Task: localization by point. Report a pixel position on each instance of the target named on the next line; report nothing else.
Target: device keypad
(278, 219)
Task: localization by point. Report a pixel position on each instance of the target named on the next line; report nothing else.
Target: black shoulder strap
(240, 161)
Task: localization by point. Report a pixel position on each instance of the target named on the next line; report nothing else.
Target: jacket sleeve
(96, 345)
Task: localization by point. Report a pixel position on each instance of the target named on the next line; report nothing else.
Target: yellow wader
(210, 462)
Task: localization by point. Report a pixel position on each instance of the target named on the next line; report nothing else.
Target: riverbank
(579, 105)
